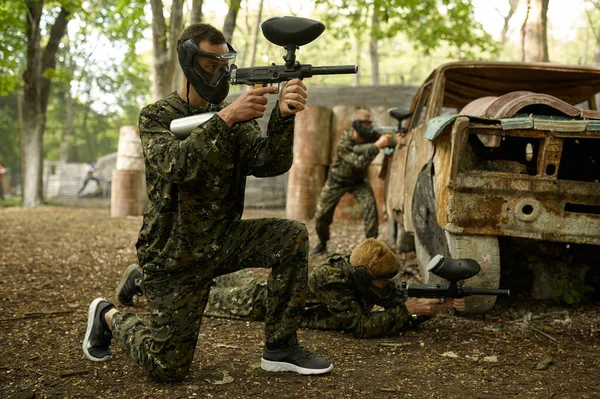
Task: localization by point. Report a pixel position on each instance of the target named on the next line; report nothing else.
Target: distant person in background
(89, 177)
(356, 149)
(2, 172)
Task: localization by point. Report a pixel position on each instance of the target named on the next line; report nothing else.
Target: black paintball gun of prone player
(289, 32)
(452, 270)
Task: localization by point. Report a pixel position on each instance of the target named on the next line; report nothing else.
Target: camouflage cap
(376, 257)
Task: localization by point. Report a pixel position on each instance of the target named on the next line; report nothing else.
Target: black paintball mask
(207, 72)
(363, 280)
(364, 128)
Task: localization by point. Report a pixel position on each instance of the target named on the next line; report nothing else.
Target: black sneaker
(96, 343)
(130, 285)
(321, 248)
(293, 357)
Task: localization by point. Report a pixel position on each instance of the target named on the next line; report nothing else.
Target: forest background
(73, 71)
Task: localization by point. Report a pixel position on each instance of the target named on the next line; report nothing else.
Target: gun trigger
(277, 91)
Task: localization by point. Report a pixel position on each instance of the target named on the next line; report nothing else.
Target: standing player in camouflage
(356, 149)
(192, 229)
(342, 294)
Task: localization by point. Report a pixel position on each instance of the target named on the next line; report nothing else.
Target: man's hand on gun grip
(384, 141)
(458, 304)
(432, 306)
(425, 306)
(250, 105)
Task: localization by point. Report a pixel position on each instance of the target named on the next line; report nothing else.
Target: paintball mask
(207, 72)
(364, 128)
(363, 280)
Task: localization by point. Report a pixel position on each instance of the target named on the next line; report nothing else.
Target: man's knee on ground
(168, 372)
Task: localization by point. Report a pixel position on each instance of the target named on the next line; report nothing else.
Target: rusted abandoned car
(495, 151)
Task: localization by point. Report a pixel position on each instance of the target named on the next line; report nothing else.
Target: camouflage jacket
(196, 186)
(335, 303)
(353, 158)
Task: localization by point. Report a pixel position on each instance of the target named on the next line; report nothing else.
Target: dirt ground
(55, 259)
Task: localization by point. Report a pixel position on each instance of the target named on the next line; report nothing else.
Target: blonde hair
(360, 113)
(375, 256)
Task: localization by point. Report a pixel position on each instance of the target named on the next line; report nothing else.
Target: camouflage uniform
(192, 231)
(347, 175)
(333, 303)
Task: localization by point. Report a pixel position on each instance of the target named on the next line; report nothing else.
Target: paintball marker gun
(289, 32)
(452, 270)
(398, 114)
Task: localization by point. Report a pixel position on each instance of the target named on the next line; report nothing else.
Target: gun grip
(291, 107)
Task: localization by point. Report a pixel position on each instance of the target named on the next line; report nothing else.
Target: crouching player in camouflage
(343, 292)
(356, 149)
(192, 229)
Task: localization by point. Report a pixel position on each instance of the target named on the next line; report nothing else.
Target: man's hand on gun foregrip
(292, 98)
(432, 306)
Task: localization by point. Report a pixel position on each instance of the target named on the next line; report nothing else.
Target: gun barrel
(485, 291)
(386, 129)
(334, 70)
(280, 73)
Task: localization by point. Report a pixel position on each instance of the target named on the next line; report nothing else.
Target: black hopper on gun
(291, 33)
(453, 270)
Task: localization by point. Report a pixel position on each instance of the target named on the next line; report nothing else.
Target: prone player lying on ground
(342, 294)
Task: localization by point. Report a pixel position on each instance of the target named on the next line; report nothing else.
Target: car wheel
(399, 238)
(429, 237)
(486, 251)
(431, 240)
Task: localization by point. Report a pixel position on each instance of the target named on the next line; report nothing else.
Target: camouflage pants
(237, 296)
(165, 348)
(331, 194)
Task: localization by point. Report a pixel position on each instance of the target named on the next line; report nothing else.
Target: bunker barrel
(312, 142)
(128, 189)
(129, 150)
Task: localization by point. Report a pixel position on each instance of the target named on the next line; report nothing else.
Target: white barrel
(128, 193)
(129, 152)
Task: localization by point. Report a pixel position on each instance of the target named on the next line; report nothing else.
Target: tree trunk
(514, 4)
(68, 129)
(373, 50)
(164, 46)
(534, 44)
(255, 33)
(196, 14)
(37, 90)
(230, 20)
(357, 52)
(21, 138)
(243, 54)
(594, 28)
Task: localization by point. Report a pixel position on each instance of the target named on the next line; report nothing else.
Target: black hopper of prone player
(452, 270)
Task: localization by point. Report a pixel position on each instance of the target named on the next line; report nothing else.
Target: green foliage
(426, 23)
(10, 202)
(12, 40)
(109, 81)
(9, 132)
(571, 292)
